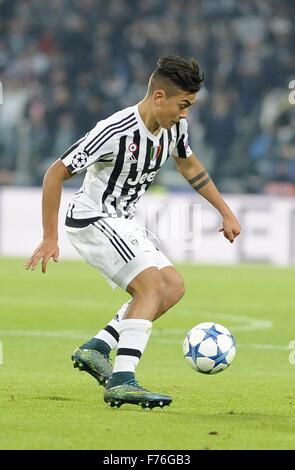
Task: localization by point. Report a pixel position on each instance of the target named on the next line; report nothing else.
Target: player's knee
(153, 288)
(156, 290)
(180, 290)
(177, 290)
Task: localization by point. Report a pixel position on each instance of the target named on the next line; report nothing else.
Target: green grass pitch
(46, 404)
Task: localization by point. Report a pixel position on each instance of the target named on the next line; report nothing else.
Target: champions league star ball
(80, 160)
(209, 348)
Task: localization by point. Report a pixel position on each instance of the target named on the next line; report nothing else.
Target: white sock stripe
(107, 338)
(125, 364)
(135, 324)
(134, 335)
(120, 314)
(114, 323)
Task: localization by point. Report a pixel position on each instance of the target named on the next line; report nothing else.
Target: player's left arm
(197, 176)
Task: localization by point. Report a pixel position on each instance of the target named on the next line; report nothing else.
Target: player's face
(170, 110)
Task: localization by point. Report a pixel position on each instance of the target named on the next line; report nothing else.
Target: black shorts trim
(80, 223)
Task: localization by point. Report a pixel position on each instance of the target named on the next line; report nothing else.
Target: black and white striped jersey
(122, 158)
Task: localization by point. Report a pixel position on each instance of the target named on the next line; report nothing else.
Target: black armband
(196, 185)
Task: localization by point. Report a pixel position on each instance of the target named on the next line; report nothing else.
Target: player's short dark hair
(176, 72)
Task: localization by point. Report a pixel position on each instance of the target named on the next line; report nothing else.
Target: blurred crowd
(65, 64)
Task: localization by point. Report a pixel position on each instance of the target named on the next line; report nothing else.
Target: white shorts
(118, 248)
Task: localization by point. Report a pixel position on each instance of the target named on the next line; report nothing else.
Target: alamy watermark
(177, 224)
(292, 92)
(292, 353)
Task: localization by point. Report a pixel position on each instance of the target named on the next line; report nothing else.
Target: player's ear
(159, 96)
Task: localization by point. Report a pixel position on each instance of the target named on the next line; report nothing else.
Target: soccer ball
(209, 348)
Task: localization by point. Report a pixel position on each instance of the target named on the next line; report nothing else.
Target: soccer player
(122, 155)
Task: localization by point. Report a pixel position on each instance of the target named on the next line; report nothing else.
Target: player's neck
(144, 109)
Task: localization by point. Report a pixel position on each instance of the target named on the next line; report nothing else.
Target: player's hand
(231, 227)
(46, 250)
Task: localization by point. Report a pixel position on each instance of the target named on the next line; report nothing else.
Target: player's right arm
(100, 142)
(52, 188)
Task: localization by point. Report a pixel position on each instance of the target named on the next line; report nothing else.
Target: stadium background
(67, 64)
(64, 65)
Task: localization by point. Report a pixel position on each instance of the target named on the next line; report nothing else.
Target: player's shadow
(55, 398)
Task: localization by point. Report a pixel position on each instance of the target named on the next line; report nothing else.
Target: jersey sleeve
(95, 146)
(182, 148)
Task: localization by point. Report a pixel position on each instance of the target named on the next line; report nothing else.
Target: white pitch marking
(1, 353)
(268, 346)
(251, 324)
(255, 346)
(73, 303)
(81, 334)
(76, 334)
(84, 334)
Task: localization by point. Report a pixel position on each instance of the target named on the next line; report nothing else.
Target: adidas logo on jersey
(130, 159)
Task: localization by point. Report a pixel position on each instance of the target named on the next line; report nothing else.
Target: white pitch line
(268, 346)
(1, 353)
(244, 322)
(157, 337)
(47, 333)
(73, 303)
(250, 323)
(255, 346)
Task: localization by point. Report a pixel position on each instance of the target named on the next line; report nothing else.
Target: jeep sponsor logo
(140, 179)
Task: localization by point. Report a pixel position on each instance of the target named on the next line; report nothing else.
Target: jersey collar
(143, 127)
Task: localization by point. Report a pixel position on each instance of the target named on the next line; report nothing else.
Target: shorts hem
(141, 262)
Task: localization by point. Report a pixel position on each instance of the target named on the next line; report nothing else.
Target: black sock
(118, 378)
(97, 344)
